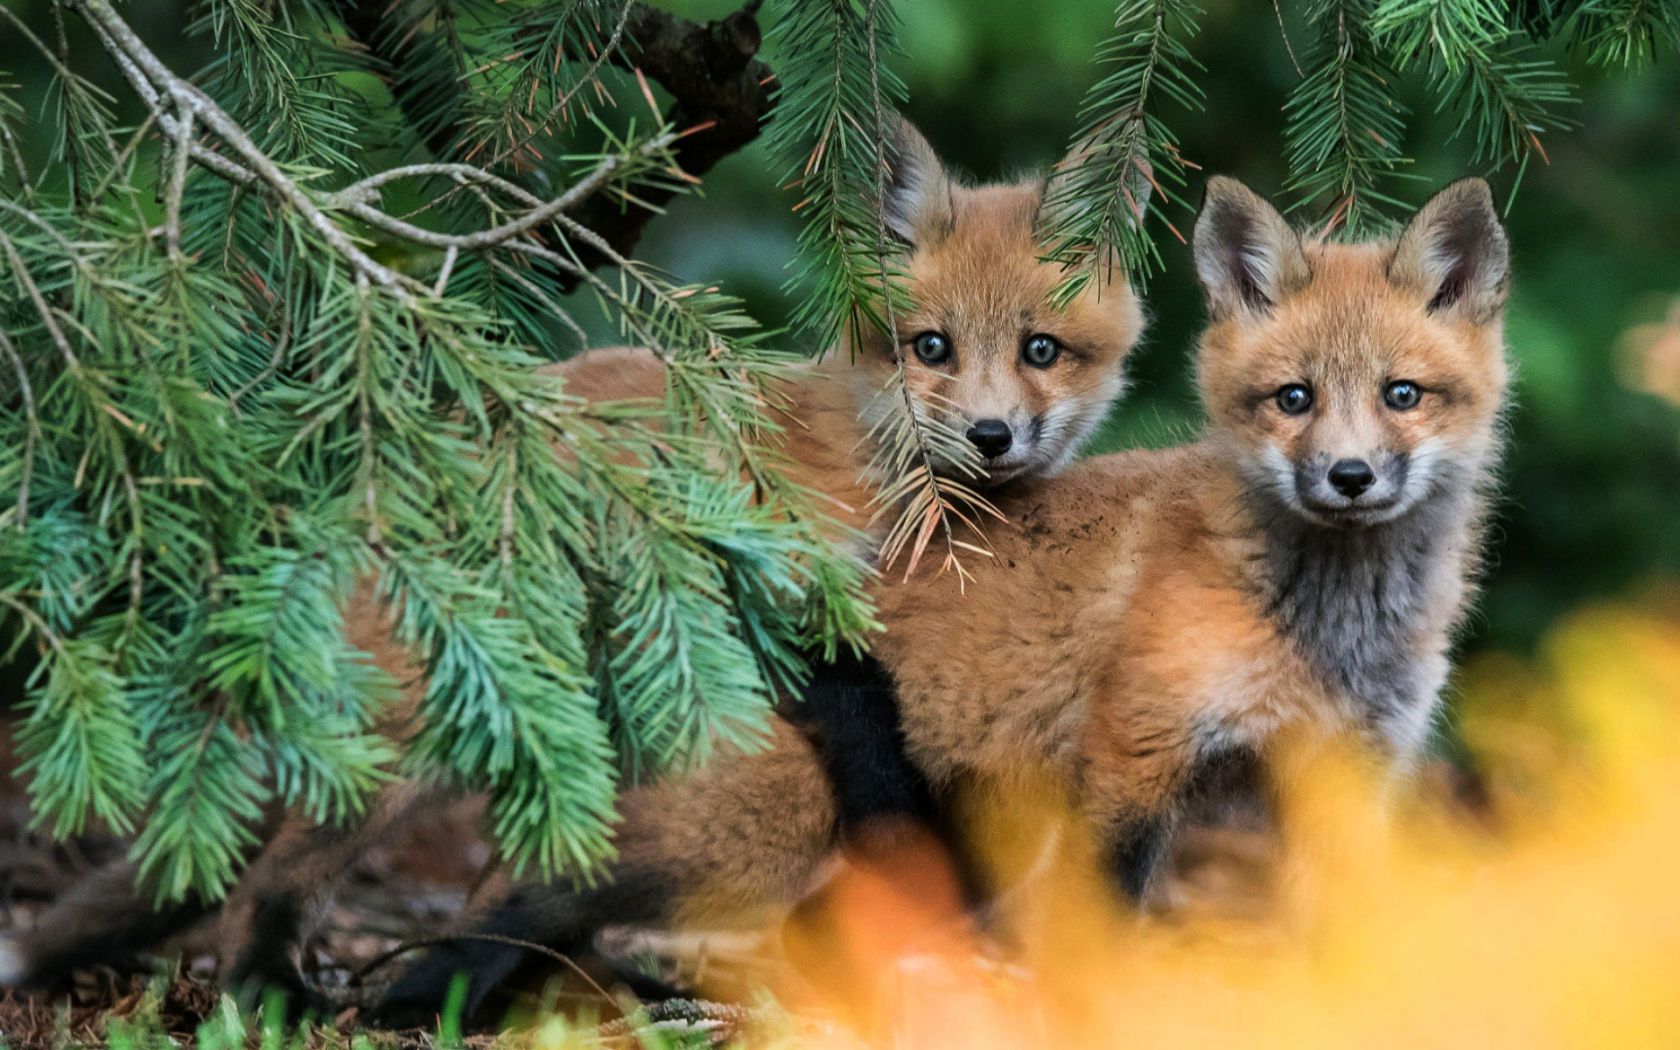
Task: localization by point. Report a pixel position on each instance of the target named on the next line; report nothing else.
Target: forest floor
(408, 891)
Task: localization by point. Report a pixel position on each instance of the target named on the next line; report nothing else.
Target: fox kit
(1153, 614)
(1305, 565)
(983, 350)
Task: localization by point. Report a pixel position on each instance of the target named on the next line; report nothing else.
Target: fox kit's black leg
(1219, 786)
(1135, 856)
(101, 919)
(850, 710)
(266, 918)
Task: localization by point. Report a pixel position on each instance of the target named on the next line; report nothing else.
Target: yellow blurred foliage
(1554, 924)
(1651, 356)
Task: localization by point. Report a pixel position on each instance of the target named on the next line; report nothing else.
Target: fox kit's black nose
(991, 437)
(1351, 477)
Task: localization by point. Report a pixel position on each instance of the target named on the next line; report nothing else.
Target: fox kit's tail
(101, 919)
(109, 915)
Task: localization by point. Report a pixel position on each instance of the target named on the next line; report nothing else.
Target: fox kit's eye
(1041, 350)
(1294, 399)
(1401, 395)
(932, 348)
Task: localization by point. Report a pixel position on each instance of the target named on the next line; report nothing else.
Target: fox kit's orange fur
(983, 351)
(1151, 613)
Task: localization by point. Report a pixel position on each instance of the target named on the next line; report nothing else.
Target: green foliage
(1346, 129)
(1494, 78)
(1626, 33)
(834, 86)
(836, 129)
(243, 397)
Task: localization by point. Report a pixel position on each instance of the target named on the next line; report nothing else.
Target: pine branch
(1344, 136)
(210, 375)
(174, 99)
(11, 119)
(1625, 33)
(721, 94)
(1495, 79)
(270, 78)
(1095, 211)
(722, 97)
(415, 63)
(923, 499)
(833, 130)
(612, 167)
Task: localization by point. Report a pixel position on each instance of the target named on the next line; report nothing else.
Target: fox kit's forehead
(1350, 323)
(1348, 320)
(987, 261)
(985, 277)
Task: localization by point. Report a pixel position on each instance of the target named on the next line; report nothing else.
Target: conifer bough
(247, 382)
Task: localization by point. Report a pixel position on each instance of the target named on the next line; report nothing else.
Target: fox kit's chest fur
(1369, 609)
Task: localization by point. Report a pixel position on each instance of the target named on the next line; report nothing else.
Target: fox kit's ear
(917, 202)
(1247, 257)
(1455, 254)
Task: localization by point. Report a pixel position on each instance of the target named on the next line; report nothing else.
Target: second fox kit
(1026, 382)
(984, 350)
(1155, 613)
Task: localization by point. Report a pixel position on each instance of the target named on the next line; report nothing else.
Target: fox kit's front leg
(268, 914)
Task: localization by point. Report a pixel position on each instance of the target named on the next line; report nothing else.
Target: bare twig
(1287, 46)
(360, 975)
(24, 185)
(560, 313)
(180, 155)
(35, 621)
(364, 399)
(45, 227)
(281, 345)
(542, 214)
(42, 307)
(121, 159)
(121, 40)
(443, 273)
(217, 163)
(505, 544)
(361, 192)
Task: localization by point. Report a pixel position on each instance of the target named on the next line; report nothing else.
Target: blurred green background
(1591, 503)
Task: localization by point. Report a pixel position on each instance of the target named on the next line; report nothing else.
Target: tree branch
(721, 96)
(154, 80)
